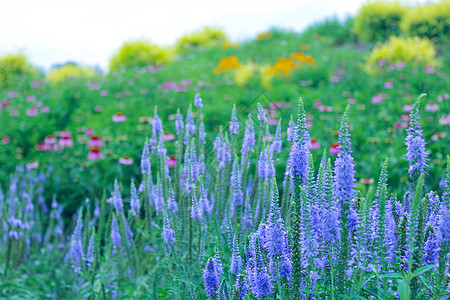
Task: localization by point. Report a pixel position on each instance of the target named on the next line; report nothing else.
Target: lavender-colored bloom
(234, 123)
(235, 181)
(198, 100)
(90, 251)
(247, 218)
(262, 114)
(344, 168)
(168, 233)
(76, 247)
(443, 234)
(196, 210)
(261, 285)
(115, 234)
(223, 151)
(415, 144)
(236, 260)
(135, 204)
(157, 125)
(190, 125)
(211, 278)
(117, 198)
(291, 132)
(277, 142)
(275, 234)
(249, 138)
(179, 125)
(172, 205)
(431, 249)
(241, 287)
(202, 133)
(159, 197)
(300, 150)
(145, 159)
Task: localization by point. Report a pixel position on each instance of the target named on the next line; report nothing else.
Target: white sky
(88, 32)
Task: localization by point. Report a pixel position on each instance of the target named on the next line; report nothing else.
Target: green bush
(407, 50)
(68, 71)
(201, 39)
(140, 54)
(14, 67)
(377, 21)
(337, 32)
(431, 21)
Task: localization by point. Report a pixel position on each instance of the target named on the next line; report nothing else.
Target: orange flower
(300, 56)
(227, 63)
(304, 47)
(283, 65)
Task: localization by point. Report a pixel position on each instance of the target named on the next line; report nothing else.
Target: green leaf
(422, 270)
(394, 275)
(403, 289)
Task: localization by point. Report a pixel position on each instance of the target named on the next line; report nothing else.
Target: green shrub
(68, 71)
(140, 54)
(431, 21)
(14, 67)
(407, 50)
(201, 39)
(337, 32)
(377, 21)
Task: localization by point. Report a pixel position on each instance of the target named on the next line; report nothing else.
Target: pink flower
(31, 98)
(334, 149)
(317, 104)
(168, 136)
(32, 112)
(89, 131)
(433, 107)
(43, 147)
(104, 93)
(378, 98)
(381, 62)
(388, 85)
(13, 94)
(45, 109)
(273, 122)
(50, 140)
(126, 161)
(430, 70)
(442, 97)
(314, 144)
(308, 124)
(35, 84)
(66, 139)
(5, 140)
(172, 161)
(95, 141)
(95, 154)
(185, 82)
(400, 125)
(407, 107)
(400, 65)
(445, 120)
(404, 117)
(351, 100)
(32, 165)
(94, 86)
(335, 78)
(119, 118)
(438, 135)
(180, 88)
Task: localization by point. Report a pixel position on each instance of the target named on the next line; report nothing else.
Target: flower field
(289, 166)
